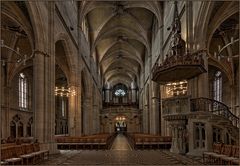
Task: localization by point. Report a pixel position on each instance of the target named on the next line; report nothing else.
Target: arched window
(22, 91)
(217, 86)
(120, 92)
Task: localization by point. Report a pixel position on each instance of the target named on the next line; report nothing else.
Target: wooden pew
(233, 158)
(207, 156)
(148, 141)
(222, 154)
(96, 141)
(8, 156)
(23, 154)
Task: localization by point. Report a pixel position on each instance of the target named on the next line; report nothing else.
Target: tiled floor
(120, 154)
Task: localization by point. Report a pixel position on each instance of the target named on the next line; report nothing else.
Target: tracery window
(22, 91)
(217, 86)
(120, 92)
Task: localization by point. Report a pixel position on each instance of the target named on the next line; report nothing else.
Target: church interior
(119, 82)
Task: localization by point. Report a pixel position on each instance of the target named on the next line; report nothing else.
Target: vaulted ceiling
(120, 36)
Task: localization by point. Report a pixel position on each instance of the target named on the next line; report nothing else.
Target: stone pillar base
(178, 151)
(52, 147)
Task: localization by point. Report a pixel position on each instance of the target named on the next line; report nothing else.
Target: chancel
(119, 82)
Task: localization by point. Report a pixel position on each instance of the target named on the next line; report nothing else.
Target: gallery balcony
(118, 105)
(185, 107)
(179, 67)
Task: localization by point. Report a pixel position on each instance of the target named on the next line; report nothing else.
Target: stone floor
(121, 153)
(121, 143)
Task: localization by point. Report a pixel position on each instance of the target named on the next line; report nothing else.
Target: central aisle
(120, 153)
(121, 143)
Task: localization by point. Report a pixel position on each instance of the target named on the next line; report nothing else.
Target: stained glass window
(120, 92)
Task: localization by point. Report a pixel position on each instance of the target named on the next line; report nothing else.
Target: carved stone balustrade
(115, 105)
(176, 107)
(120, 110)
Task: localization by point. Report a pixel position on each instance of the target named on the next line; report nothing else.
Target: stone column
(133, 95)
(107, 95)
(145, 119)
(129, 99)
(38, 98)
(203, 85)
(91, 110)
(5, 112)
(74, 112)
(209, 136)
(87, 116)
(203, 88)
(44, 85)
(44, 101)
(110, 95)
(95, 119)
(154, 124)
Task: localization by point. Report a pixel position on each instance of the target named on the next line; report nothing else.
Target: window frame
(217, 86)
(23, 92)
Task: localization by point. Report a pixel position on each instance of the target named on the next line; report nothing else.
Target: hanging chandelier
(64, 92)
(220, 55)
(19, 57)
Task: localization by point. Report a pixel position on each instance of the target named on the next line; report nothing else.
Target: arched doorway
(120, 124)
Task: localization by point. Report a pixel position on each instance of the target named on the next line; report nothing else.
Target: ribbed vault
(120, 35)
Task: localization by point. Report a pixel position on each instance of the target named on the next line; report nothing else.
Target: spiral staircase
(219, 114)
(183, 112)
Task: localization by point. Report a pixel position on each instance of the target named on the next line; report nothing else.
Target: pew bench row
(222, 154)
(23, 154)
(101, 141)
(147, 141)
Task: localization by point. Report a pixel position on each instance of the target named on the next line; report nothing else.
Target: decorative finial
(176, 24)
(177, 45)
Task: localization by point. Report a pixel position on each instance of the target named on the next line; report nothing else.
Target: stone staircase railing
(216, 107)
